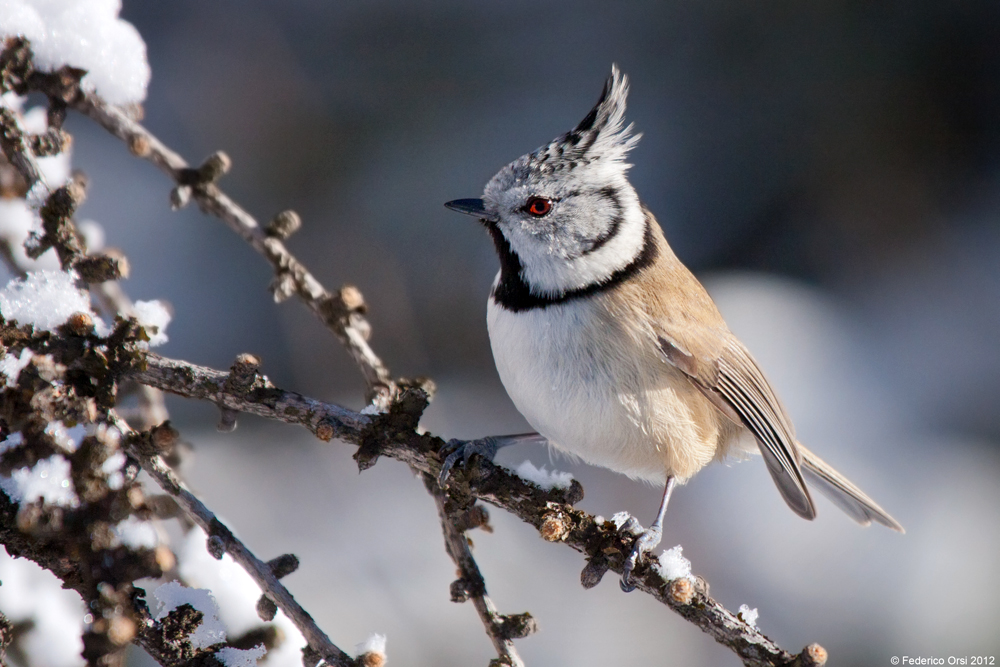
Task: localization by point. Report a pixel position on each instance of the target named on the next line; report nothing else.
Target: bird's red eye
(538, 206)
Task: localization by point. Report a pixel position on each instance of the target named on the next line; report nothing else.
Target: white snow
(237, 595)
(93, 234)
(46, 299)
(154, 318)
(112, 467)
(67, 438)
(136, 533)
(673, 565)
(17, 220)
(29, 592)
(748, 615)
(620, 519)
(545, 479)
(235, 657)
(86, 34)
(11, 366)
(13, 440)
(374, 644)
(173, 594)
(47, 480)
(56, 169)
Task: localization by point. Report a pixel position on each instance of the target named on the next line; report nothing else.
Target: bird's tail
(821, 476)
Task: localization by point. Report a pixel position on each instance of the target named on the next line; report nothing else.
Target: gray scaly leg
(648, 539)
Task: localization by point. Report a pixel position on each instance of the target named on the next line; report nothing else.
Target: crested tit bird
(607, 344)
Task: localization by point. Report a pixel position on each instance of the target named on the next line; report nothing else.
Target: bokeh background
(831, 170)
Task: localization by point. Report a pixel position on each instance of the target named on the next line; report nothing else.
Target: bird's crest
(601, 135)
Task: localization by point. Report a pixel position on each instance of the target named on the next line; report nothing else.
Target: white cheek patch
(549, 271)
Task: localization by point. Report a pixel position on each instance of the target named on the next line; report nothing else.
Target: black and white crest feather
(601, 135)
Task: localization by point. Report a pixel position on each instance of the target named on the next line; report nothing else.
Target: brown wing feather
(694, 338)
(737, 387)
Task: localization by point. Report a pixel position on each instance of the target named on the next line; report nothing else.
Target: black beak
(470, 207)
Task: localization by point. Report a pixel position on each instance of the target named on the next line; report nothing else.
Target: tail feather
(819, 474)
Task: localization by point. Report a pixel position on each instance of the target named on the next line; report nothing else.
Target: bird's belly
(599, 393)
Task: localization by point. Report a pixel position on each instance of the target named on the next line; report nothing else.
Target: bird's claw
(464, 450)
(645, 541)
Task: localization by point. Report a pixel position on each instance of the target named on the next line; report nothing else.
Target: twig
(324, 420)
(340, 312)
(114, 301)
(470, 584)
(117, 302)
(226, 542)
(14, 143)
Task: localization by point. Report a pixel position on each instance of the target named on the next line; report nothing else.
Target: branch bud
(681, 591)
(518, 626)
(216, 546)
(284, 225)
(594, 571)
(283, 565)
(266, 609)
(109, 265)
(813, 655)
(81, 324)
(475, 517)
(352, 299)
(325, 431)
(243, 373)
(283, 286)
(138, 145)
(180, 197)
(227, 420)
(214, 167)
(554, 528)
(164, 437)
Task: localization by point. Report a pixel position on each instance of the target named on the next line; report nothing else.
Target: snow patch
(673, 565)
(11, 366)
(237, 595)
(86, 34)
(173, 594)
(154, 318)
(543, 478)
(236, 657)
(31, 593)
(374, 644)
(48, 480)
(46, 299)
(748, 615)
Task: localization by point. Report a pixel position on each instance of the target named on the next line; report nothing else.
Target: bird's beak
(471, 207)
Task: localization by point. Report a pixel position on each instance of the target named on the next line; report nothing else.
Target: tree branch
(551, 512)
(502, 630)
(222, 541)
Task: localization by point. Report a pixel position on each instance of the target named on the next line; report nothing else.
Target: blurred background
(830, 170)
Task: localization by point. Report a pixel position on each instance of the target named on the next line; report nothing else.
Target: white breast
(598, 389)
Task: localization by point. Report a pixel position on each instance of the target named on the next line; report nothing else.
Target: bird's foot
(455, 450)
(644, 541)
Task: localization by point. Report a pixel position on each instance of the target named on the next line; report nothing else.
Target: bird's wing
(733, 382)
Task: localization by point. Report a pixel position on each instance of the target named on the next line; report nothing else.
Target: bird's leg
(485, 447)
(647, 540)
